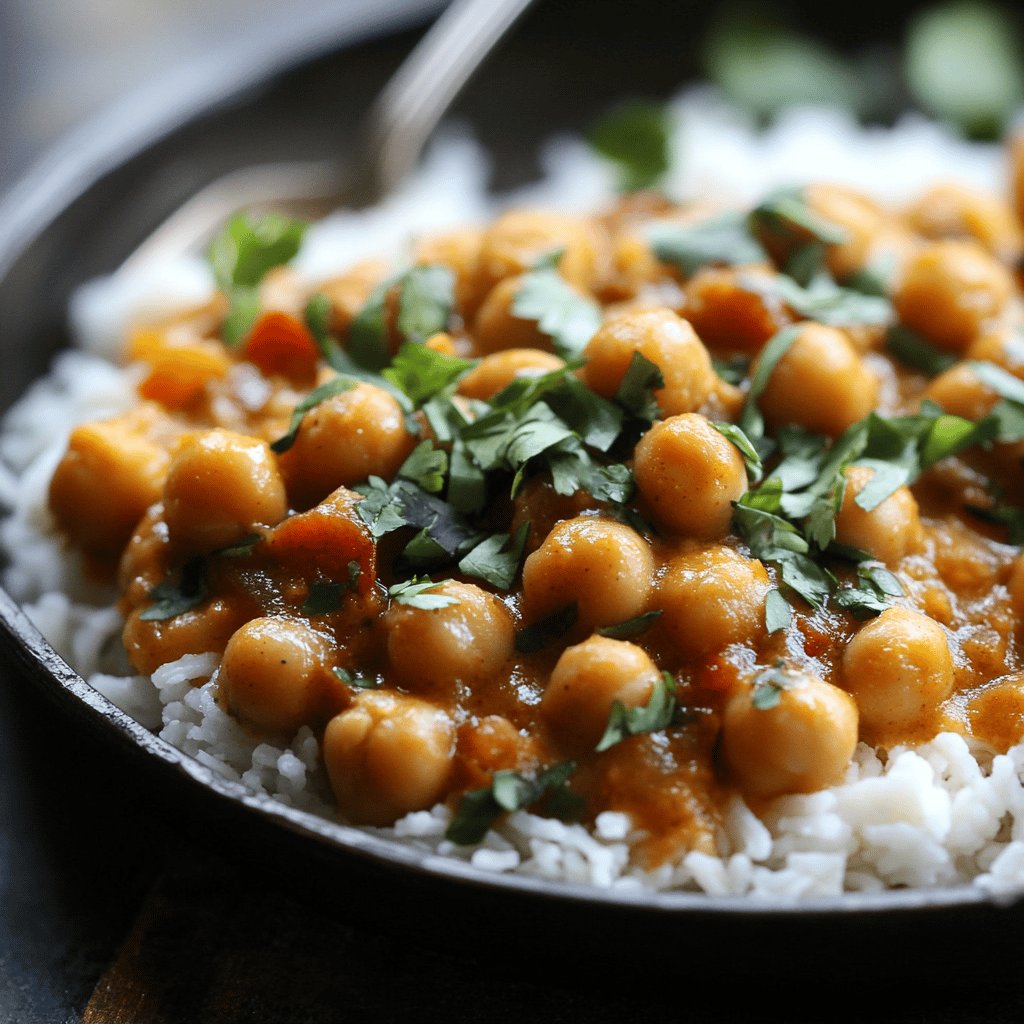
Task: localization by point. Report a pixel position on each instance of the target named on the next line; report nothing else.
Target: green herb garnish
(568, 318)
(169, 600)
(635, 137)
(335, 386)
(656, 714)
(631, 627)
(542, 632)
(417, 593)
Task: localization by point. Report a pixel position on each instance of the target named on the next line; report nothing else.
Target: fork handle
(409, 107)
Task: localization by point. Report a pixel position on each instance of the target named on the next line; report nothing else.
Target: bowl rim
(64, 173)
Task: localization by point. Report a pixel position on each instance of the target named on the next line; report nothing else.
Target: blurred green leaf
(963, 63)
(635, 137)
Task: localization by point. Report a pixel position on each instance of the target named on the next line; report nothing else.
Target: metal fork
(393, 134)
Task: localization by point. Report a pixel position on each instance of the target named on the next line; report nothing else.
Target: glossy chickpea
(518, 239)
(734, 309)
(1015, 585)
(274, 674)
(219, 487)
(495, 372)
(469, 641)
(387, 755)
(950, 291)
(711, 597)
(951, 210)
(605, 567)
(587, 679)
(960, 391)
(820, 383)
(343, 440)
(800, 743)
(889, 531)
(996, 712)
(108, 477)
(899, 669)
(497, 328)
(151, 643)
(689, 474)
(661, 337)
(857, 215)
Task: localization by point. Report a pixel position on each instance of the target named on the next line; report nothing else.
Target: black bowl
(82, 213)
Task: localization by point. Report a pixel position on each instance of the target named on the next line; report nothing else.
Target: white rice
(937, 815)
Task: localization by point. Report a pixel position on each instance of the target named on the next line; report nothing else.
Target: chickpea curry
(628, 512)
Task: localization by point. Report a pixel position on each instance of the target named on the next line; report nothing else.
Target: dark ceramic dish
(81, 215)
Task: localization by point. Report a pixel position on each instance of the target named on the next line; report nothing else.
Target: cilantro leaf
(784, 216)
(635, 392)
(326, 596)
(777, 612)
(823, 300)
(912, 350)
(426, 467)
(417, 593)
(769, 684)
(751, 420)
(496, 559)
(568, 318)
(381, 510)
(653, 716)
(743, 444)
(870, 596)
(335, 386)
(169, 600)
(357, 682)
(317, 316)
(509, 791)
(242, 315)
(248, 247)
(631, 627)
(426, 301)
(421, 373)
(722, 239)
(635, 137)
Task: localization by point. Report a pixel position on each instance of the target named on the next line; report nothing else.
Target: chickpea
(689, 474)
(471, 641)
(103, 485)
(1015, 585)
(495, 372)
(960, 391)
(889, 531)
(152, 643)
(343, 440)
(712, 597)
(387, 755)
(665, 339)
(996, 712)
(951, 210)
(734, 309)
(275, 674)
(496, 327)
(604, 566)
(801, 744)
(351, 291)
(859, 216)
(899, 669)
(587, 680)
(820, 383)
(518, 239)
(220, 486)
(950, 291)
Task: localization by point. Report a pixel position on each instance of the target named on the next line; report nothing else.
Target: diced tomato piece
(282, 344)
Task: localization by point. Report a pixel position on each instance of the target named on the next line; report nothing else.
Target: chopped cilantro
(743, 444)
(635, 137)
(722, 239)
(248, 247)
(421, 373)
(769, 684)
(870, 596)
(317, 316)
(335, 386)
(732, 371)
(326, 596)
(912, 350)
(170, 600)
(636, 390)
(241, 547)
(242, 315)
(496, 559)
(777, 612)
(823, 300)
(356, 681)
(631, 627)
(751, 420)
(785, 217)
(653, 716)
(511, 791)
(568, 318)
(426, 467)
(417, 593)
(540, 633)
